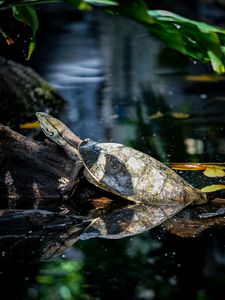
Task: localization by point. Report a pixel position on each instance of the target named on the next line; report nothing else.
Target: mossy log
(23, 92)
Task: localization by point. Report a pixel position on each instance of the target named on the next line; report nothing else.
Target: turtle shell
(135, 176)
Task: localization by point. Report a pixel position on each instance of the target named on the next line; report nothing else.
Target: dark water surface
(123, 86)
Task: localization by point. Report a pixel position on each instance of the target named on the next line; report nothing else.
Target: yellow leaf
(213, 188)
(214, 171)
(199, 166)
(30, 125)
(188, 166)
(204, 78)
(84, 6)
(157, 115)
(179, 115)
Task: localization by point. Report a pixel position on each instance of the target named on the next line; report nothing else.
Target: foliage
(210, 170)
(153, 265)
(58, 280)
(197, 40)
(213, 188)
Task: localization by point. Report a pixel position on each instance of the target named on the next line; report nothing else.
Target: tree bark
(37, 207)
(23, 92)
(33, 174)
(33, 178)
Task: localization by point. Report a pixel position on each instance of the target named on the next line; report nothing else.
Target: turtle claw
(66, 186)
(63, 182)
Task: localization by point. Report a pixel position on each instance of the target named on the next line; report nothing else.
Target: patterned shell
(135, 176)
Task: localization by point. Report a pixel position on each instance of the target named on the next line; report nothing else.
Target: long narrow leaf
(101, 2)
(27, 15)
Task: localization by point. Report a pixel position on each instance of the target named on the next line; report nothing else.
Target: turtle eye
(48, 132)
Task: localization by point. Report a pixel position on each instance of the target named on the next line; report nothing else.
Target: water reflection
(75, 67)
(121, 85)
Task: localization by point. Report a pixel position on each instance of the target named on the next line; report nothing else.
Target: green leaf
(168, 16)
(45, 279)
(102, 2)
(31, 48)
(136, 10)
(27, 15)
(196, 39)
(79, 4)
(192, 38)
(216, 61)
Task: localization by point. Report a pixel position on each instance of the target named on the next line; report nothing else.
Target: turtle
(123, 171)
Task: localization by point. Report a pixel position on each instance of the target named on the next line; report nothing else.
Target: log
(23, 92)
(37, 183)
(39, 175)
(192, 221)
(33, 177)
(31, 172)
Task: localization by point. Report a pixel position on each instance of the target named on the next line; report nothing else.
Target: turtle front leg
(67, 186)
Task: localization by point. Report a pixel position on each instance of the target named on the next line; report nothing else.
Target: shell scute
(134, 175)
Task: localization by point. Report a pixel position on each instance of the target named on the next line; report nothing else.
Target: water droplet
(203, 96)
(158, 278)
(192, 41)
(177, 26)
(151, 261)
(173, 280)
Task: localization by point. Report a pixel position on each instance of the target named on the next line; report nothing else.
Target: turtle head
(51, 127)
(56, 131)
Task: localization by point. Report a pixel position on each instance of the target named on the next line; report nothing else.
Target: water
(123, 86)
